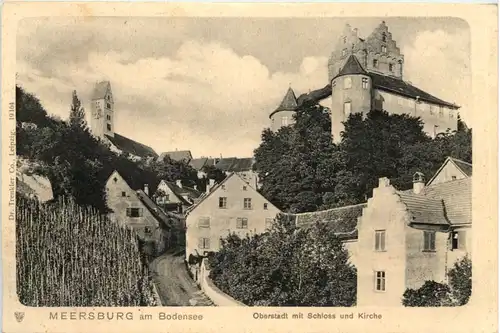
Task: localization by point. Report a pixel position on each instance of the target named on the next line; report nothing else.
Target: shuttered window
(134, 212)
(203, 243)
(241, 223)
(429, 241)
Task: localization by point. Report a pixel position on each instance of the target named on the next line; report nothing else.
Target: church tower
(102, 106)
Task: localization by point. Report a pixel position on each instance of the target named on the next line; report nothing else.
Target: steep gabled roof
(289, 102)
(424, 210)
(130, 146)
(135, 177)
(464, 167)
(352, 67)
(178, 155)
(100, 90)
(156, 211)
(180, 192)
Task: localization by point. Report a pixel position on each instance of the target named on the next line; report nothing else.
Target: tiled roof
(457, 198)
(234, 164)
(198, 163)
(100, 90)
(352, 66)
(289, 102)
(400, 87)
(130, 146)
(135, 177)
(157, 212)
(464, 166)
(343, 220)
(183, 191)
(178, 155)
(423, 209)
(382, 82)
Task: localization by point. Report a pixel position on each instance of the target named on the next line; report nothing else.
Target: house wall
(119, 204)
(250, 177)
(457, 254)
(384, 211)
(276, 119)
(431, 114)
(423, 265)
(447, 173)
(223, 220)
(172, 197)
(352, 247)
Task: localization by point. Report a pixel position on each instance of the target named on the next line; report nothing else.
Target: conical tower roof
(289, 102)
(352, 66)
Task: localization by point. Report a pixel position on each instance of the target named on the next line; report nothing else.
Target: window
(458, 240)
(347, 83)
(453, 177)
(379, 240)
(364, 83)
(380, 281)
(203, 243)
(124, 194)
(347, 108)
(108, 126)
(269, 222)
(429, 241)
(284, 121)
(134, 212)
(400, 101)
(432, 109)
(451, 114)
(223, 187)
(344, 39)
(384, 37)
(375, 63)
(440, 112)
(147, 230)
(204, 222)
(344, 52)
(108, 105)
(222, 202)
(247, 203)
(108, 117)
(410, 102)
(244, 188)
(384, 49)
(265, 205)
(391, 67)
(241, 223)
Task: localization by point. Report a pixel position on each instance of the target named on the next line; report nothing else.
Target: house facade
(367, 74)
(175, 196)
(242, 166)
(134, 209)
(399, 239)
(232, 206)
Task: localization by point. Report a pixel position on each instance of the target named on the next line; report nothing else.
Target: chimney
(178, 182)
(146, 189)
(384, 182)
(418, 182)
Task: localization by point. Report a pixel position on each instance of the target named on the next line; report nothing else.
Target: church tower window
(391, 67)
(108, 127)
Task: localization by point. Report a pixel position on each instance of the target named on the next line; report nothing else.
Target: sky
(209, 84)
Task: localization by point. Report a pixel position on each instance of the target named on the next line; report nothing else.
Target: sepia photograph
(312, 162)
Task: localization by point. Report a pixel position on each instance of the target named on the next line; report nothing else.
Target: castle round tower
(283, 115)
(351, 93)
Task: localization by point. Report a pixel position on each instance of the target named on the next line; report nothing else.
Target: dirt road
(175, 286)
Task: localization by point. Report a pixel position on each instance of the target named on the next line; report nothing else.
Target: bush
(432, 293)
(69, 255)
(287, 266)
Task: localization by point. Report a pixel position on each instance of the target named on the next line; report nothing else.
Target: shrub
(430, 294)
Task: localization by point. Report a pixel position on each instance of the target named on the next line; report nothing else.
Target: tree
(460, 277)
(287, 266)
(431, 294)
(77, 112)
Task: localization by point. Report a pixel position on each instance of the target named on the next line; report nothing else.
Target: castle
(102, 125)
(367, 74)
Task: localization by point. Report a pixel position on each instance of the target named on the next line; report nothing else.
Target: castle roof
(130, 146)
(234, 164)
(100, 90)
(351, 67)
(289, 102)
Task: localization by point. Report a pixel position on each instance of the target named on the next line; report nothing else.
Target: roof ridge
(330, 209)
(459, 160)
